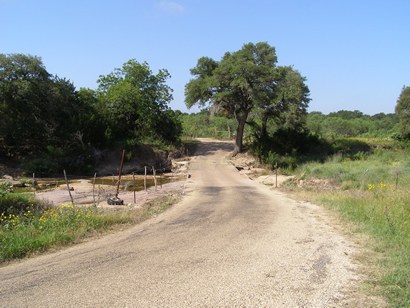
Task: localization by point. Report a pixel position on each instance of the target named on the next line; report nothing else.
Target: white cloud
(171, 7)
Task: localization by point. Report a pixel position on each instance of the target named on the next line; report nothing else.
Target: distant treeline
(322, 136)
(203, 124)
(353, 124)
(342, 123)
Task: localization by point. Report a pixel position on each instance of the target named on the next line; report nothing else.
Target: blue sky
(355, 54)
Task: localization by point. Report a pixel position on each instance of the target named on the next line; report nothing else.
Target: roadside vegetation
(29, 226)
(203, 124)
(48, 125)
(370, 192)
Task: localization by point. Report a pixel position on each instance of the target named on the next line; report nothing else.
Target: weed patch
(34, 229)
(374, 195)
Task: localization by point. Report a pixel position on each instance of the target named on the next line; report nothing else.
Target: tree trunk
(264, 131)
(239, 133)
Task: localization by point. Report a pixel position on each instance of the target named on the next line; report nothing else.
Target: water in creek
(127, 182)
(131, 185)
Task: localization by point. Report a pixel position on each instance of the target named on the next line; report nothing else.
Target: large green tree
(403, 112)
(134, 104)
(248, 83)
(236, 84)
(37, 109)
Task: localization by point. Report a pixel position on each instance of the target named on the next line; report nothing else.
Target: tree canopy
(44, 115)
(134, 102)
(247, 82)
(403, 112)
(36, 108)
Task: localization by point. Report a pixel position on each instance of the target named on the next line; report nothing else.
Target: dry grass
(373, 199)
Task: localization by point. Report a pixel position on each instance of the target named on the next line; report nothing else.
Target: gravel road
(230, 242)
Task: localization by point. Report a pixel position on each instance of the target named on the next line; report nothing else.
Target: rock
(18, 184)
(180, 166)
(245, 172)
(13, 183)
(259, 170)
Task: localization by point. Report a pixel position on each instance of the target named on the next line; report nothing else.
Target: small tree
(403, 112)
(134, 104)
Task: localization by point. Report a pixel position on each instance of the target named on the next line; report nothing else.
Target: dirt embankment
(248, 165)
(170, 168)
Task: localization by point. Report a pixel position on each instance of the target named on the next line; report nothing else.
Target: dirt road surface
(231, 242)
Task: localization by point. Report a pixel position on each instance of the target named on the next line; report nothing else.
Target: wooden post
(155, 178)
(95, 175)
(160, 179)
(276, 169)
(68, 188)
(145, 179)
(134, 186)
(98, 196)
(119, 173)
(160, 175)
(34, 183)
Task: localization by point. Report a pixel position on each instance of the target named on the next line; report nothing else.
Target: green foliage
(37, 109)
(35, 227)
(133, 103)
(350, 147)
(41, 166)
(35, 230)
(403, 112)
(247, 82)
(376, 198)
(5, 188)
(51, 126)
(203, 124)
(285, 107)
(352, 124)
(17, 203)
(310, 145)
(287, 148)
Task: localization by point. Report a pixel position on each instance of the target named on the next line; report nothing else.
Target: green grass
(385, 216)
(373, 193)
(28, 228)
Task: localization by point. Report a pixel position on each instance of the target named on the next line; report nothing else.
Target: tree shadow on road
(210, 146)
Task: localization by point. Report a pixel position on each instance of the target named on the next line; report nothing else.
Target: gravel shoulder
(230, 242)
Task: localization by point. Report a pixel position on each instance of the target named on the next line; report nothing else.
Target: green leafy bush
(5, 188)
(17, 203)
(41, 166)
